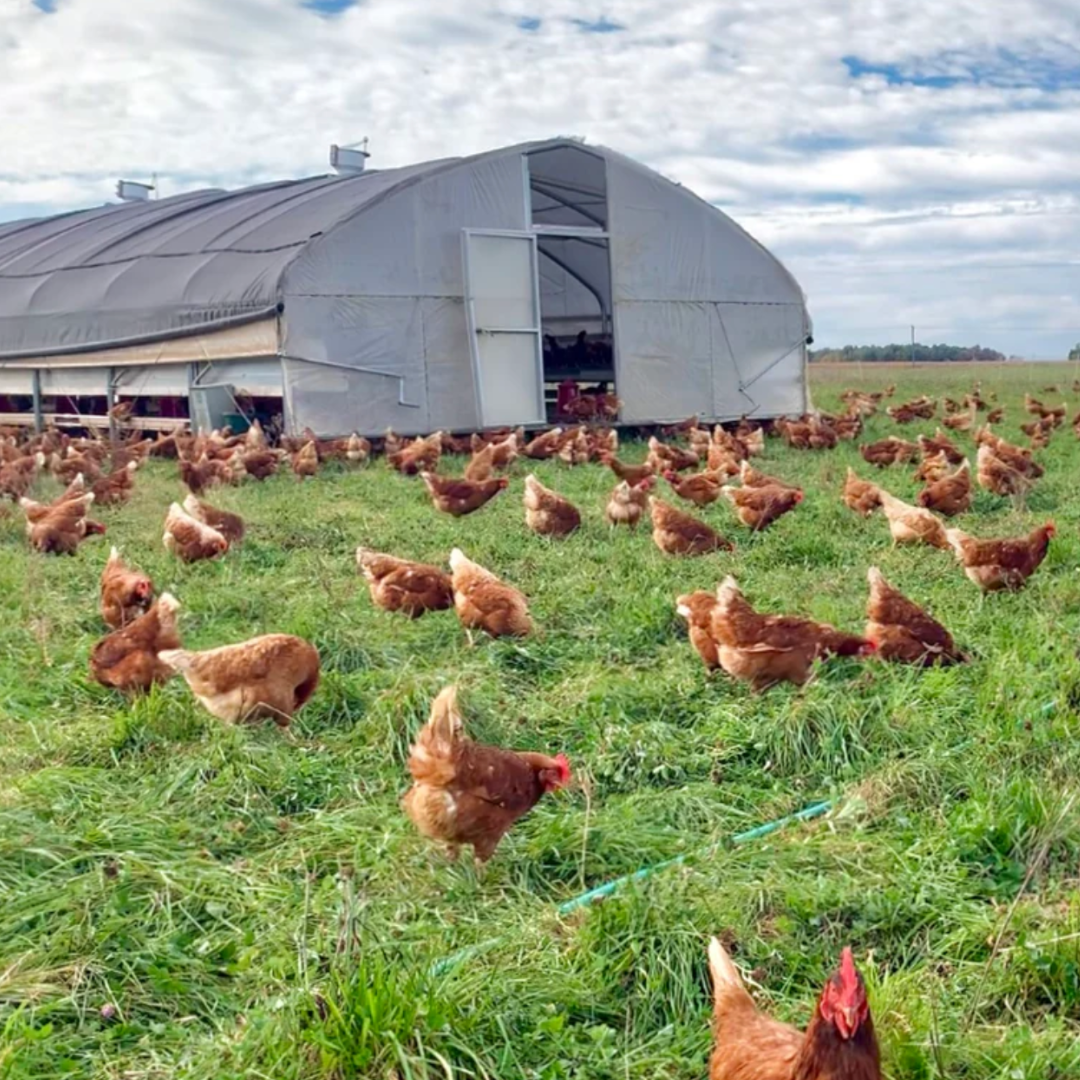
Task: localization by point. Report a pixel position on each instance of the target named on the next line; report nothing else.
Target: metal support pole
(913, 346)
(39, 415)
(110, 402)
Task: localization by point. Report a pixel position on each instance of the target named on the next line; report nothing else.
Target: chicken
(547, 512)
(127, 659)
(754, 478)
(822, 436)
(261, 464)
(17, 476)
(697, 609)
(482, 464)
(940, 443)
(890, 451)
(504, 453)
(753, 441)
(951, 495)
(464, 792)
(58, 528)
(767, 649)
(912, 524)
(721, 461)
(399, 585)
(419, 456)
(627, 503)
(203, 473)
(758, 507)
(575, 449)
(902, 631)
(700, 489)
(678, 533)
(964, 421)
(255, 439)
(483, 602)
(1001, 564)
(995, 416)
(269, 677)
(632, 474)
(230, 525)
(125, 593)
(998, 477)
(860, 495)
(1016, 457)
(543, 446)
(357, 449)
(839, 1042)
(662, 457)
(115, 489)
(933, 468)
(305, 462)
(460, 497)
(189, 539)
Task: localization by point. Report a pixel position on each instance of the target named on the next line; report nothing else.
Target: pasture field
(182, 899)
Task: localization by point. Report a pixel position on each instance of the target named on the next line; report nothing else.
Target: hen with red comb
(839, 1043)
(467, 793)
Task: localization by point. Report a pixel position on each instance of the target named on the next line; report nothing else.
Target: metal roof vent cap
(133, 191)
(349, 160)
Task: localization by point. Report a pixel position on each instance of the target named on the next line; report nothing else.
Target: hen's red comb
(849, 977)
(564, 767)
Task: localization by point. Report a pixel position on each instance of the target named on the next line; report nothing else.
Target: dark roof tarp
(133, 271)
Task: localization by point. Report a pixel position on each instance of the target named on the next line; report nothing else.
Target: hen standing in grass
(860, 495)
(127, 659)
(125, 593)
(1001, 564)
(189, 539)
(626, 504)
(547, 512)
(399, 585)
(272, 676)
(767, 649)
(483, 602)
(902, 631)
(464, 792)
(460, 497)
(839, 1043)
(677, 533)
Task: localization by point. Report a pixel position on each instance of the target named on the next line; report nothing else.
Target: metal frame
(475, 331)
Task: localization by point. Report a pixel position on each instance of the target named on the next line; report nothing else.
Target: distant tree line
(870, 354)
(1074, 352)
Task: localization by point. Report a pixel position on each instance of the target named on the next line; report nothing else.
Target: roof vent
(349, 160)
(133, 191)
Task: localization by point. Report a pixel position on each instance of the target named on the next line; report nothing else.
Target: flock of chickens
(466, 793)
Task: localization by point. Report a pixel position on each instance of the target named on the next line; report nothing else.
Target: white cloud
(937, 185)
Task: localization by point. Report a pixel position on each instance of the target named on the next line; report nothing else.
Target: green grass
(243, 904)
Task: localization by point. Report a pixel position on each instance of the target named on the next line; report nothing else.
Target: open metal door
(503, 300)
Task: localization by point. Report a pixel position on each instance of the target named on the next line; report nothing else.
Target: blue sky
(913, 164)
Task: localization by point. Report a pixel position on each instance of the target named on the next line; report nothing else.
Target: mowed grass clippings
(179, 898)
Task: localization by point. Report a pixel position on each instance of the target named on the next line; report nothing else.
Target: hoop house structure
(453, 294)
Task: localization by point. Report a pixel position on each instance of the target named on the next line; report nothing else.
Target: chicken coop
(453, 294)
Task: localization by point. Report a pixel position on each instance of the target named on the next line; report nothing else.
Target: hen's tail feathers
(725, 975)
(177, 659)
(193, 507)
(444, 725)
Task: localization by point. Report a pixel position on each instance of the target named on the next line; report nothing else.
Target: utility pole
(913, 346)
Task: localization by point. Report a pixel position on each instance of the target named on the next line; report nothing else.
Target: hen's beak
(846, 1020)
